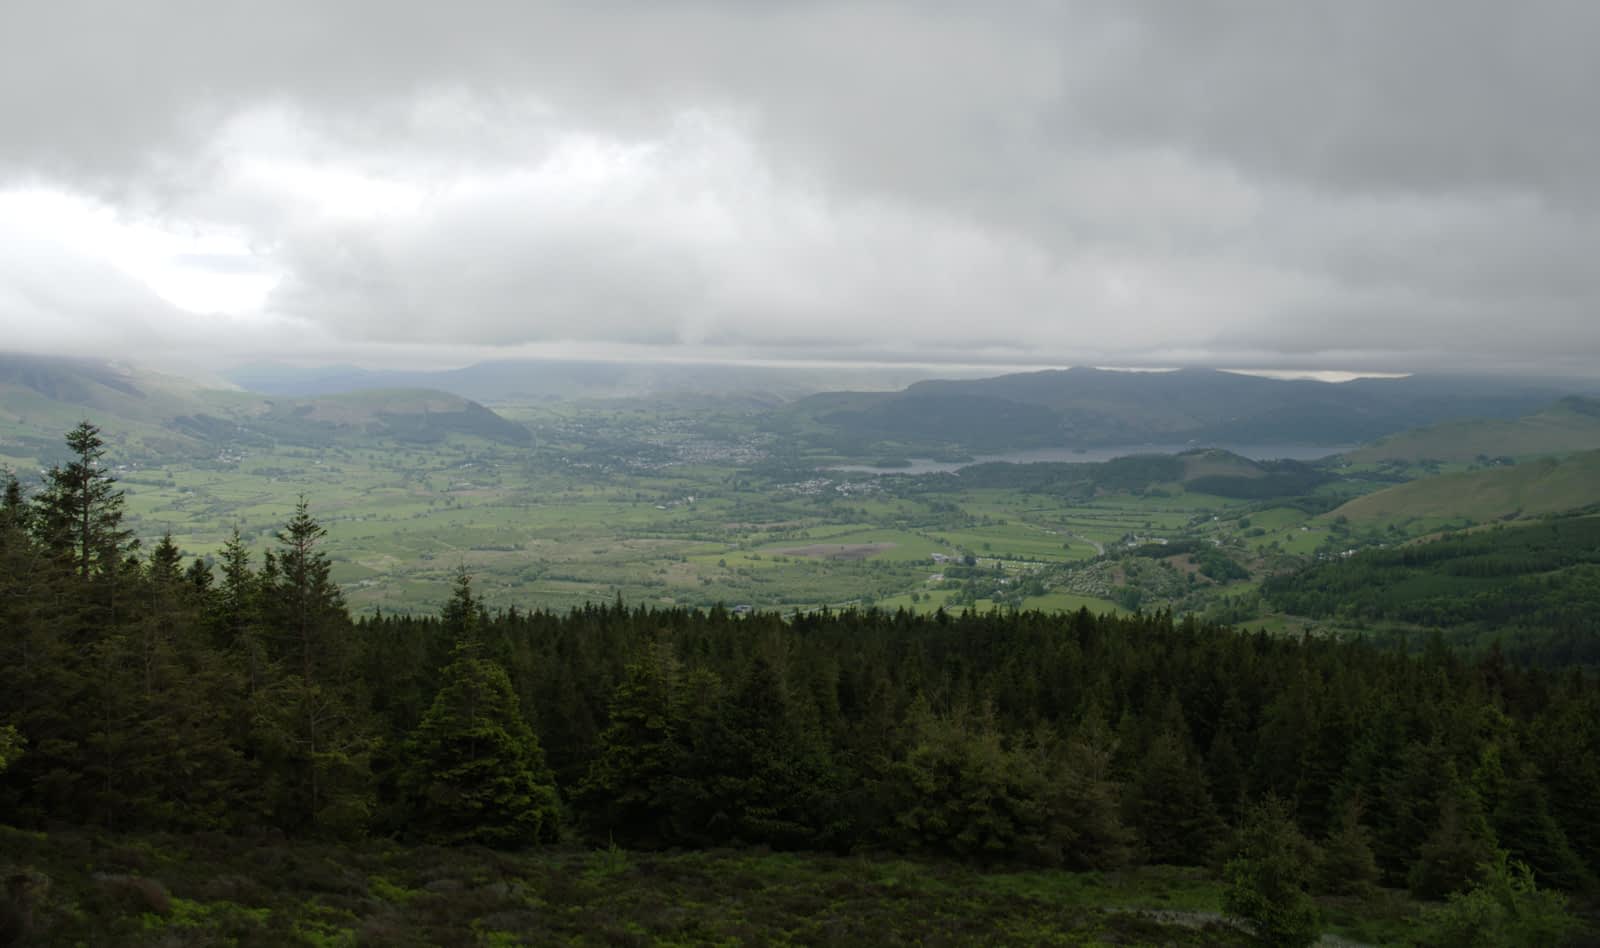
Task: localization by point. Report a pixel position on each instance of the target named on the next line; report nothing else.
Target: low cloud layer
(1361, 185)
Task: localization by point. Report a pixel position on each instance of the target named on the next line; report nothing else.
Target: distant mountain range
(1089, 407)
(1069, 408)
(528, 380)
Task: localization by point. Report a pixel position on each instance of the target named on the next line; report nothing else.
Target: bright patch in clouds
(203, 270)
(334, 192)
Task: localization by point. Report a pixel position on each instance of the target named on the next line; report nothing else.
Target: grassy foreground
(217, 890)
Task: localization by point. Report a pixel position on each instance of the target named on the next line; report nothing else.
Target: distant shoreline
(1255, 452)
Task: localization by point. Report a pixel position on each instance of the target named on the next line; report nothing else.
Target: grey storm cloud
(1368, 185)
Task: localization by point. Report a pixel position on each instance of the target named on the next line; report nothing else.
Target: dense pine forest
(140, 693)
(1529, 589)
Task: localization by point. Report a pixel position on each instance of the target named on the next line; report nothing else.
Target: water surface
(1255, 452)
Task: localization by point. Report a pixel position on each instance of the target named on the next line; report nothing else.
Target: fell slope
(1572, 424)
(41, 397)
(1533, 488)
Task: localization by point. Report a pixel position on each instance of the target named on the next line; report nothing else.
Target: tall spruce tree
(1459, 846)
(1085, 802)
(314, 716)
(473, 768)
(764, 773)
(631, 789)
(43, 687)
(1348, 865)
(13, 505)
(1524, 826)
(1171, 807)
(310, 621)
(79, 512)
(475, 772)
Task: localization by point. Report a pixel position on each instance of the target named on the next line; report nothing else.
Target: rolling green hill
(1532, 586)
(1533, 488)
(406, 415)
(162, 415)
(1572, 424)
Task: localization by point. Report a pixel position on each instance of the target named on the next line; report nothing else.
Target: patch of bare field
(836, 551)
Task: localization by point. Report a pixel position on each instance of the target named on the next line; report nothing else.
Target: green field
(682, 506)
(557, 523)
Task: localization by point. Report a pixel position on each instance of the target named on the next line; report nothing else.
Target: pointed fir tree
(1525, 828)
(1084, 803)
(475, 772)
(14, 513)
(313, 714)
(1458, 847)
(236, 611)
(631, 788)
(309, 612)
(765, 783)
(44, 687)
(960, 792)
(199, 578)
(166, 561)
(1170, 806)
(79, 512)
(1348, 866)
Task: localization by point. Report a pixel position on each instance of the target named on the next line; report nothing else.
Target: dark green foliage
(14, 513)
(1086, 830)
(10, 746)
(634, 787)
(1268, 877)
(474, 770)
(768, 774)
(1525, 827)
(1132, 473)
(1290, 479)
(1218, 566)
(306, 605)
(1530, 587)
(1506, 909)
(79, 513)
(311, 715)
(432, 426)
(1459, 845)
(1171, 808)
(1348, 865)
(960, 791)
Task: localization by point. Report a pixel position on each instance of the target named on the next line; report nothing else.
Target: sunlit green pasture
(537, 531)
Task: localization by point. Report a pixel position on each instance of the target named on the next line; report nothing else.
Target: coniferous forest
(143, 694)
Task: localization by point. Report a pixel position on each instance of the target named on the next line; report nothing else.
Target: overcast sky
(1338, 185)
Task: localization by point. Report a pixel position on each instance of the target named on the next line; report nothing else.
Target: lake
(1255, 452)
